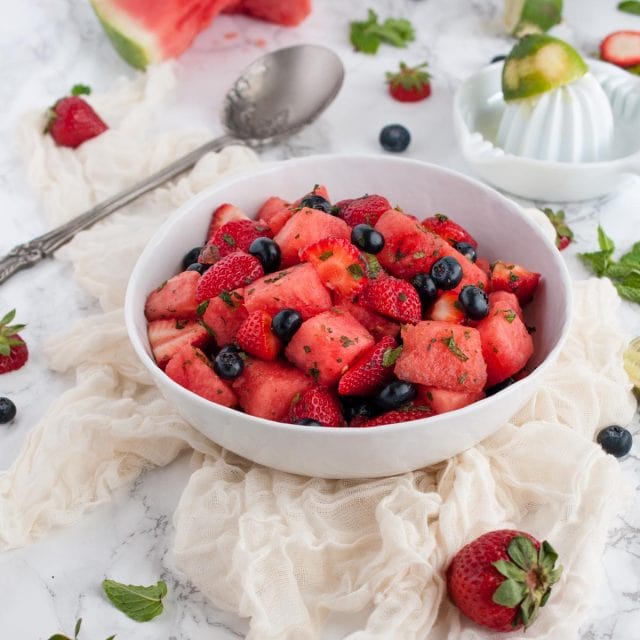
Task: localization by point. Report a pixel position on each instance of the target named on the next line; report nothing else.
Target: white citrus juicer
(547, 126)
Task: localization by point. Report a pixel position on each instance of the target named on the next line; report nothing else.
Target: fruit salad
(345, 314)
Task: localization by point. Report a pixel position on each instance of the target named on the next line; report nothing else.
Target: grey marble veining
(46, 46)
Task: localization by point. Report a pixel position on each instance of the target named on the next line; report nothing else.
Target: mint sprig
(136, 602)
(630, 6)
(367, 35)
(624, 273)
(76, 633)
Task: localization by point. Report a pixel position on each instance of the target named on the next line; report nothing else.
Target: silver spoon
(276, 96)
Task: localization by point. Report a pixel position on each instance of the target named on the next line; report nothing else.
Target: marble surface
(48, 45)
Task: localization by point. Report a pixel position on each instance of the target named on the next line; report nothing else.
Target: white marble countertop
(46, 46)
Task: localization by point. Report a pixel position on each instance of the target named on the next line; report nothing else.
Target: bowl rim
(276, 166)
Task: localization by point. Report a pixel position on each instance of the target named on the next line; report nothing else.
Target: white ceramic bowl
(502, 231)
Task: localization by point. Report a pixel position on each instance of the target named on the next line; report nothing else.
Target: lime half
(522, 17)
(540, 63)
(632, 361)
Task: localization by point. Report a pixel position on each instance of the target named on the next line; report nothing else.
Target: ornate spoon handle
(29, 253)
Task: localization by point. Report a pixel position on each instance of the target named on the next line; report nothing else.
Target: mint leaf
(367, 35)
(137, 602)
(630, 6)
(605, 242)
(597, 261)
(80, 90)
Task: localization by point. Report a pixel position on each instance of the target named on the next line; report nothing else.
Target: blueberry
(228, 364)
(467, 250)
(190, 257)
(446, 273)
(426, 288)
(285, 323)
(268, 252)
(474, 302)
(499, 58)
(308, 422)
(395, 137)
(355, 407)
(367, 238)
(615, 440)
(395, 394)
(313, 201)
(499, 387)
(199, 267)
(7, 410)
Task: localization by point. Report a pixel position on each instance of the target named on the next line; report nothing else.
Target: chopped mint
(202, 307)
(509, 316)
(356, 271)
(326, 255)
(451, 344)
(366, 36)
(346, 341)
(390, 356)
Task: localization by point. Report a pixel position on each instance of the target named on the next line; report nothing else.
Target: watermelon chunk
(266, 388)
(378, 326)
(224, 315)
(443, 400)
(191, 369)
(443, 355)
(298, 288)
(275, 212)
(176, 298)
(506, 343)
(167, 337)
(145, 32)
(307, 226)
(325, 345)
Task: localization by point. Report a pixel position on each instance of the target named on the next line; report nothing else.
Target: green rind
(130, 50)
(538, 16)
(540, 63)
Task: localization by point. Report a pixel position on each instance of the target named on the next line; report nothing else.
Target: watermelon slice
(146, 31)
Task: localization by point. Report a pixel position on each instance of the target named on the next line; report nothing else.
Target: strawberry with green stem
(409, 84)
(564, 235)
(13, 349)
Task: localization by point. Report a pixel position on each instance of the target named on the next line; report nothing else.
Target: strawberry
(73, 121)
(501, 579)
(364, 210)
(319, 404)
(338, 264)
(223, 214)
(370, 370)
(449, 230)
(256, 338)
(393, 298)
(13, 349)
(447, 308)
(232, 272)
(393, 417)
(410, 84)
(515, 279)
(176, 298)
(237, 235)
(167, 337)
(621, 48)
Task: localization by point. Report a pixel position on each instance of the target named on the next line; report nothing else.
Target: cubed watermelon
(275, 212)
(327, 344)
(443, 355)
(191, 369)
(377, 325)
(176, 298)
(224, 314)
(443, 400)
(167, 337)
(265, 388)
(307, 226)
(506, 343)
(298, 288)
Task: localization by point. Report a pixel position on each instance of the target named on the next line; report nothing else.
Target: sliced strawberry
(13, 349)
(447, 308)
(340, 205)
(319, 404)
(232, 272)
(191, 369)
(621, 48)
(364, 210)
(223, 214)
(393, 417)
(515, 279)
(237, 235)
(449, 230)
(176, 298)
(167, 337)
(409, 84)
(392, 298)
(256, 338)
(371, 370)
(338, 264)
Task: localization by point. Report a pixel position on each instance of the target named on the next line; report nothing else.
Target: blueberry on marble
(615, 440)
(7, 410)
(395, 138)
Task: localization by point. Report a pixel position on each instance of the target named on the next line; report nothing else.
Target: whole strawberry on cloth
(72, 120)
(13, 349)
(502, 579)
(409, 84)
